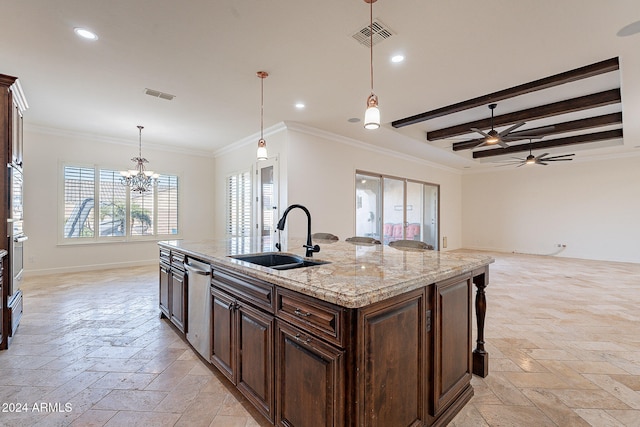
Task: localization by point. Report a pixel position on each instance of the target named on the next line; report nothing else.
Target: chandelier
(138, 179)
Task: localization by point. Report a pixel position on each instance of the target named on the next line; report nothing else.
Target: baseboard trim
(89, 267)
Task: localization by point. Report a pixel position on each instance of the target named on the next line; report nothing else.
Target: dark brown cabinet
(12, 107)
(3, 302)
(393, 361)
(172, 300)
(242, 348)
(310, 388)
(452, 343)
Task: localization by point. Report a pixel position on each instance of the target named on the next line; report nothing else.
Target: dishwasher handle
(194, 270)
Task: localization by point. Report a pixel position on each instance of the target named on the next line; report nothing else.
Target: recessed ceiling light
(353, 120)
(299, 105)
(397, 58)
(85, 34)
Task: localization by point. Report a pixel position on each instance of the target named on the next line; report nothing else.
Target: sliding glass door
(391, 208)
(368, 206)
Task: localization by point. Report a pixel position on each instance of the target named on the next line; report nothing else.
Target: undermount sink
(278, 261)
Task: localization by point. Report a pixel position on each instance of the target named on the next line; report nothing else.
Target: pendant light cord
(261, 106)
(371, 40)
(140, 141)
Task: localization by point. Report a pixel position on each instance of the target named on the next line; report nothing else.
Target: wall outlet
(444, 242)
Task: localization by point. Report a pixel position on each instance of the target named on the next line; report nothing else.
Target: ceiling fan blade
(551, 159)
(540, 163)
(511, 129)
(560, 156)
(481, 132)
(541, 156)
(503, 144)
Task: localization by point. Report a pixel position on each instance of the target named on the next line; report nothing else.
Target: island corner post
(480, 355)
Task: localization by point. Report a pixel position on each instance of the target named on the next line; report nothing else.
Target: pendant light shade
(372, 114)
(262, 154)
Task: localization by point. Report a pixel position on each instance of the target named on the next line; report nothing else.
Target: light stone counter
(356, 275)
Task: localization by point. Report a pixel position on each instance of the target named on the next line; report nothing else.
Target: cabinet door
(222, 334)
(309, 380)
(255, 357)
(178, 299)
(452, 341)
(165, 280)
(393, 362)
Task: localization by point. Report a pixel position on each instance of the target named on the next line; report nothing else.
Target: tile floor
(563, 337)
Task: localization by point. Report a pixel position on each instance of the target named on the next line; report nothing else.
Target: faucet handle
(314, 248)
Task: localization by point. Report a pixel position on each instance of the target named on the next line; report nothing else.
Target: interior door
(267, 203)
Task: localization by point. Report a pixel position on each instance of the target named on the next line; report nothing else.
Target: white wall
(592, 207)
(44, 153)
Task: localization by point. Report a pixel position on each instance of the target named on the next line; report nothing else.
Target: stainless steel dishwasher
(199, 306)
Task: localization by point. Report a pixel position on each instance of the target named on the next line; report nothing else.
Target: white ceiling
(207, 52)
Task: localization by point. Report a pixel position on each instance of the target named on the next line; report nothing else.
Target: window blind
(238, 189)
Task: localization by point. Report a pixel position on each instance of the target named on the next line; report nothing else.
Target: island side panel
(392, 362)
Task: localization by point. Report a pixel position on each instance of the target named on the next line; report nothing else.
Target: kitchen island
(376, 336)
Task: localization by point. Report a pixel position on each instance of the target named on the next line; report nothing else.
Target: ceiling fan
(494, 137)
(542, 159)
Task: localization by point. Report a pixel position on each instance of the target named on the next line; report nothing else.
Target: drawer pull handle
(298, 337)
(300, 313)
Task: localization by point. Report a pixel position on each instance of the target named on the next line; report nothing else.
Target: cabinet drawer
(246, 288)
(165, 256)
(177, 260)
(318, 317)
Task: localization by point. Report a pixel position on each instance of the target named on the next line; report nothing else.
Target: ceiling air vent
(158, 94)
(380, 33)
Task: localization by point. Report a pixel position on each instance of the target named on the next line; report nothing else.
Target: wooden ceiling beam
(571, 126)
(587, 71)
(594, 100)
(560, 142)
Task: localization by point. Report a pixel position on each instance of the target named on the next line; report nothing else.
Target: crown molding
(44, 130)
(299, 127)
(251, 139)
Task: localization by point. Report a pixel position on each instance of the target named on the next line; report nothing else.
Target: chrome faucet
(311, 248)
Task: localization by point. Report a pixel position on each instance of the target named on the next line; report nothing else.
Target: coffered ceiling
(206, 53)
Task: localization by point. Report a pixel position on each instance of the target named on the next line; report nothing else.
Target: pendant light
(262, 144)
(372, 114)
(138, 179)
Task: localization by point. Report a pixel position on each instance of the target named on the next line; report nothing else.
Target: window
(238, 195)
(121, 214)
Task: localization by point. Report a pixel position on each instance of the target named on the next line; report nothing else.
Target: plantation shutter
(167, 196)
(79, 194)
(238, 189)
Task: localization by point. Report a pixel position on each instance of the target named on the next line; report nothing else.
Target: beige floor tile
(93, 418)
(142, 419)
(96, 353)
(598, 417)
(131, 400)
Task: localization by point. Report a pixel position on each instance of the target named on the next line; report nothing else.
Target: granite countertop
(356, 275)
